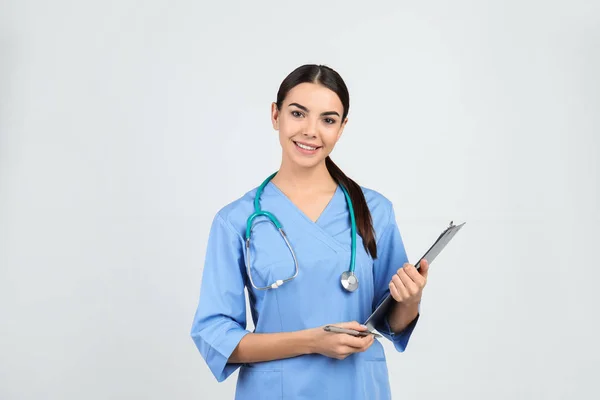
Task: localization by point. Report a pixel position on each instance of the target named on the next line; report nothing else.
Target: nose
(310, 129)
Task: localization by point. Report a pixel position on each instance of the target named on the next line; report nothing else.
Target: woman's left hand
(407, 284)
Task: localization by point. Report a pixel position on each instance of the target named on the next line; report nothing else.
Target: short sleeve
(391, 255)
(220, 319)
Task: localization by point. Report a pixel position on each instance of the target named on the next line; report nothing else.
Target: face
(309, 124)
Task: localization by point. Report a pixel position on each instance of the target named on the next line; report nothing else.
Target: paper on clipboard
(441, 242)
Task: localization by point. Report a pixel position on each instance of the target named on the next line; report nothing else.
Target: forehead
(315, 97)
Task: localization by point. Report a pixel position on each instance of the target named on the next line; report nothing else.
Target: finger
(424, 268)
(366, 344)
(352, 342)
(352, 325)
(406, 279)
(414, 274)
(410, 285)
(394, 292)
(399, 284)
(370, 342)
(400, 287)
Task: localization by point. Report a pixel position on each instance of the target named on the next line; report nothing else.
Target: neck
(294, 178)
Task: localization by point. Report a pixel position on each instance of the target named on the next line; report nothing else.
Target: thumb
(352, 325)
(424, 268)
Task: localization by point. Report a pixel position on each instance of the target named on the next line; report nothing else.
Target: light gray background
(126, 125)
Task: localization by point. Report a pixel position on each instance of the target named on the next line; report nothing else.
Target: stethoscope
(348, 279)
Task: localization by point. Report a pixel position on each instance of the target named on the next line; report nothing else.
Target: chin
(306, 162)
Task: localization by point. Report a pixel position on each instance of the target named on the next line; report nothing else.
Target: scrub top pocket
(255, 383)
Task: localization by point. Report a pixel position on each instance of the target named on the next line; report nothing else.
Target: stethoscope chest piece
(349, 281)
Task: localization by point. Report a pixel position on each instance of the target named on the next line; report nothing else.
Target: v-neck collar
(318, 231)
(295, 207)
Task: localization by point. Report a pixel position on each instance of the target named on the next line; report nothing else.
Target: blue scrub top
(313, 299)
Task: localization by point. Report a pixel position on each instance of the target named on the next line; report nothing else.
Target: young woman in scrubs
(289, 355)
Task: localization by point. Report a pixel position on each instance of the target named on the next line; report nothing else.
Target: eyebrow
(306, 109)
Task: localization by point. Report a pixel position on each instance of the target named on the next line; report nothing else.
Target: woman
(289, 354)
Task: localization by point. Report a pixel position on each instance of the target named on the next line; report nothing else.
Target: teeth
(305, 147)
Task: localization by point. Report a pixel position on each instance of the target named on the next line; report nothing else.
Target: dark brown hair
(327, 77)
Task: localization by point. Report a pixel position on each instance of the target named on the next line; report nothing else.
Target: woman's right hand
(340, 345)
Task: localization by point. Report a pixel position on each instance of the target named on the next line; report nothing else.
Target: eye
(296, 114)
(330, 121)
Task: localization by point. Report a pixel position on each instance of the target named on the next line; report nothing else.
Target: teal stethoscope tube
(349, 281)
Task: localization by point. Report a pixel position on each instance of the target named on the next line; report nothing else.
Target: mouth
(307, 148)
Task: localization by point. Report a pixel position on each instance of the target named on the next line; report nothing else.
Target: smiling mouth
(306, 147)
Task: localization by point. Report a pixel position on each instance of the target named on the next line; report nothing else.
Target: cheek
(284, 132)
(287, 128)
(330, 138)
(284, 139)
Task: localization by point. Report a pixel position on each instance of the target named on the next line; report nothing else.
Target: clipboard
(436, 248)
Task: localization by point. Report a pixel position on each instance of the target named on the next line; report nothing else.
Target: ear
(275, 116)
(342, 129)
